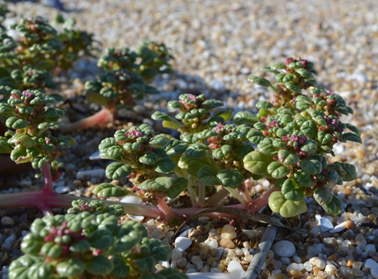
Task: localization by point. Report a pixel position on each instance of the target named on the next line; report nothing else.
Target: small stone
(236, 270)
(62, 189)
(318, 262)
(370, 263)
(176, 255)
(330, 269)
(227, 243)
(340, 227)
(212, 243)
(325, 224)
(228, 232)
(182, 243)
(284, 248)
(295, 274)
(181, 263)
(7, 221)
(97, 173)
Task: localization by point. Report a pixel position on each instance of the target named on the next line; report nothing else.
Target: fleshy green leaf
(350, 137)
(208, 176)
(177, 187)
(70, 268)
(257, 162)
(277, 170)
(109, 190)
(117, 170)
(196, 151)
(334, 206)
(149, 158)
(101, 239)
(287, 208)
(323, 195)
(165, 165)
(259, 81)
(222, 152)
(292, 191)
(245, 117)
(15, 123)
(99, 265)
(230, 177)
(311, 166)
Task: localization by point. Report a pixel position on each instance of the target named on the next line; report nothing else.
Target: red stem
(102, 116)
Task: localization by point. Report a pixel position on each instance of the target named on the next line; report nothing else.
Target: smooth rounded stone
(325, 224)
(181, 263)
(285, 260)
(315, 249)
(236, 270)
(276, 264)
(228, 232)
(339, 227)
(330, 269)
(370, 263)
(176, 255)
(227, 243)
(191, 270)
(212, 243)
(318, 262)
(182, 243)
(97, 173)
(374, 272)
(370, 249)
(284, 248)
(62, 189)
(7, 221)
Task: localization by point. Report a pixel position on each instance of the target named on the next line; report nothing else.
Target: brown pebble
(350, 262)
(347, 191)
(350, 225)
(316, 270)
(227, 243)
(295, 274)
(332, 257)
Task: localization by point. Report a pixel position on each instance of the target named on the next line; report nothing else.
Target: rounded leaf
(277, 170)
(208, 176)
(323, 195)
(70, 268)
(99, 265)
(230, 178)
(259, 81)
(101, 239)
(15, 123)
(257, 163)
(222, 152)
(149, 158)
(311, 166)
(117, 170)
(292, 191)
(165, 165)
(104, 190)
(334, 206)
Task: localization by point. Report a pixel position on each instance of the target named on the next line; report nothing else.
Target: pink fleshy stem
(262, 201)
(102, 116)
(163, 206)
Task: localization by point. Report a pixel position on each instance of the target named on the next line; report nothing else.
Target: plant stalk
(102, 116)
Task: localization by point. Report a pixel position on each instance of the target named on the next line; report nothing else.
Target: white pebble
(318, 262)
(236, 270)
(182, 243)
(284, 248)
(212, 243)
(330, 269)
(176, 255)
(338, 228)
(62, 189)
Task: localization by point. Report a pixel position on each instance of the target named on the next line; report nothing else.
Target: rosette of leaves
(291, 78)
(86, 245)
(118, 58)
(155, 59)
(293, 139)
(219, 160)
(77, 43)
(118, 88)
(38, 43)
(29, 117)
(194, 114)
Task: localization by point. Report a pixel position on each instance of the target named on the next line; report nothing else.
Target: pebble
(228, 232)
(325, 224)
(284, 248)
(7, 221)
(236, 270)
(182, 243)
(62, 189)
(86, 174)
(318, 262)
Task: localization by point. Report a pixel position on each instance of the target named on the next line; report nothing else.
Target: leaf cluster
(30, 118)
(86, 245)
(128, 74)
